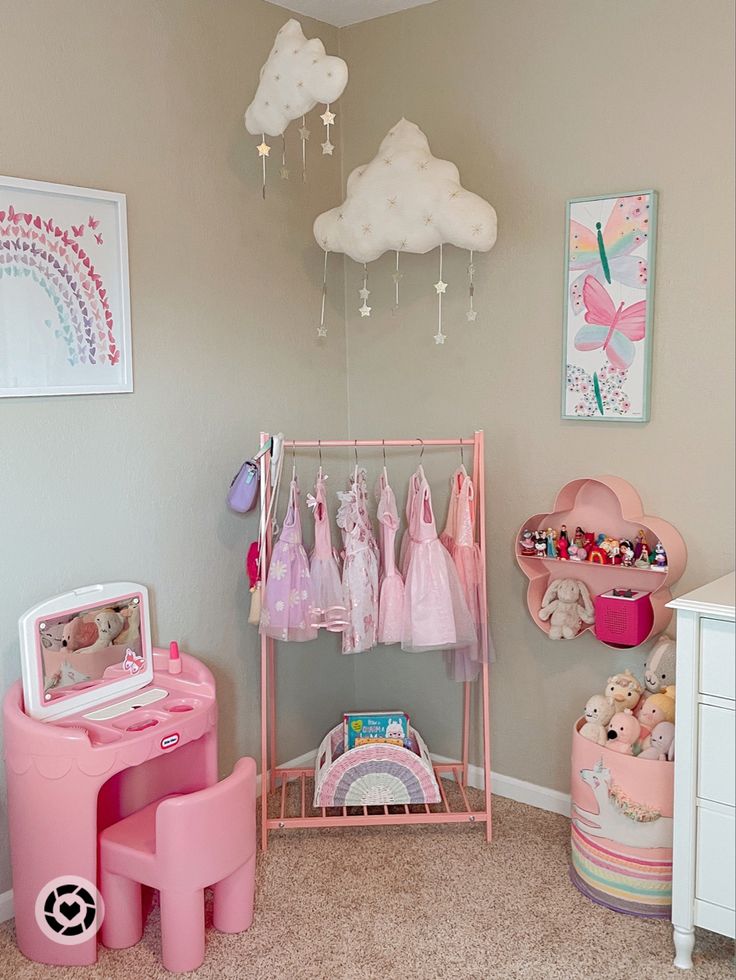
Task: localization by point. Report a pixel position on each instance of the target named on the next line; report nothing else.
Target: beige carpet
(417, 904)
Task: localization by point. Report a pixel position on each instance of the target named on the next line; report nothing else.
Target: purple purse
(243, 493)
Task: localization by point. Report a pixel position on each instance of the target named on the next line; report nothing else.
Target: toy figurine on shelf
(551, 543)
(626, 551)
(562, 536)
(598, 555)
(639, 544)
(526, 543)
(540, 544)
(563, 545)
(643, 560)
(579, 538)
(658, 558)
(614, 551)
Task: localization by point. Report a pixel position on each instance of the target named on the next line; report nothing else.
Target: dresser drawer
(717, 754)
(717, 658)
(715, 876)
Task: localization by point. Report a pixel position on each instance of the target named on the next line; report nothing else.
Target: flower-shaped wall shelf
(610, 505)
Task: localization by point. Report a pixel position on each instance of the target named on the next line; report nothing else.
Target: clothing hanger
(293, 462)
(319, 447)
(355, 450)
(385, 470)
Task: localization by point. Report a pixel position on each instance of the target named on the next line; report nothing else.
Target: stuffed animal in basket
(598, 713)
(567, 605)
(659, 669)
(662, 743)
(657, 708)
(623, 732)
(623, 691)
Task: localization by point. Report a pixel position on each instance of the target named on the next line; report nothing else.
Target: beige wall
(539, 102)
(148, 98)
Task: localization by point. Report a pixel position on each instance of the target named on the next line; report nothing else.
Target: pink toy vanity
(81, 754)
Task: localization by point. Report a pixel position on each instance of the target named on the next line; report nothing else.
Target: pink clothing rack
(284, 810)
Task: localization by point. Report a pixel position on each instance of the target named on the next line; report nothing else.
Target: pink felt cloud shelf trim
(611, 505)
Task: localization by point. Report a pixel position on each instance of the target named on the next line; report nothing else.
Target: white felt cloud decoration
(296, 76)
(406, 199)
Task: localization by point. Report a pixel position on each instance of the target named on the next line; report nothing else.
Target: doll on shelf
(551, 543)
(526, 544)
(540, 544)
(579, 538)
(641, 542)
(658, 558)
(643, 560)
(563, 545)
(626, 552)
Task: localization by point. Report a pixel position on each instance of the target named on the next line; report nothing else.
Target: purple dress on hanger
(287, 599)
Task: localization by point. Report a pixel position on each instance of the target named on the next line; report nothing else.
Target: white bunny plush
(567, 605)
(598, 713)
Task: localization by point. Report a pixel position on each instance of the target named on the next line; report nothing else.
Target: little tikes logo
(69, 910)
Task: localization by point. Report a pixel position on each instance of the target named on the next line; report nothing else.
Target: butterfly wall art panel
(64, 293)
(609, 289)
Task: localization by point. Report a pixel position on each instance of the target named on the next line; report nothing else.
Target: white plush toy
(567, 605)
(598, 713)
(109, 625)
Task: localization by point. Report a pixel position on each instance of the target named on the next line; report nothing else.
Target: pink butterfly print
(98, 239)
(77, 230)
(134, 662)
(49, 225)
(614, 330)
(93, 222)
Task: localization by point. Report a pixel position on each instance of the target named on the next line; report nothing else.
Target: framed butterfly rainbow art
(609, 289)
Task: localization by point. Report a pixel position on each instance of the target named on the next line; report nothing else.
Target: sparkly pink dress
(360, 568)
(406, 540)
(287, 598)
(467, 559)
(448, 535)
(391, 597)
(436, 615)
(329, 609)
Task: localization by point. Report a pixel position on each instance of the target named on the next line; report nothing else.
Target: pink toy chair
(180, 845)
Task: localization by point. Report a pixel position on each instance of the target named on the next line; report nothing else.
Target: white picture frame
(64, 290)
(610, 245)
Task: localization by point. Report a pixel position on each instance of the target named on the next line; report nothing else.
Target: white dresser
(704, 851)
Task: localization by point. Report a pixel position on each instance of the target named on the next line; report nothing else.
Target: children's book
(363, 728)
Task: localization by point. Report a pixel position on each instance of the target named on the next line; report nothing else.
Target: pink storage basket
(621, 829)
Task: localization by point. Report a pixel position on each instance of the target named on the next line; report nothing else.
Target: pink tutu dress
(406, 540)
(360, 568)
(435, 615)
(329, 609)
(391, 596)
(448, 535)
(287, 597)
(467, 559)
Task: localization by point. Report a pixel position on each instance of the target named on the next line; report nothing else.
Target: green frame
(648, 340)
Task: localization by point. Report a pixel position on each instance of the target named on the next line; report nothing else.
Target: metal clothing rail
(291, 810)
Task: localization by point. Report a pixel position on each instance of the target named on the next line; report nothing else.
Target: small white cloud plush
(406, 199)
(296, 76)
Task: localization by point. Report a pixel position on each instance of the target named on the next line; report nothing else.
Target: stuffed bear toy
(623, 691)
(657, 708)
(567, 605)
(662, 743)
(623, 732)
(598, 712)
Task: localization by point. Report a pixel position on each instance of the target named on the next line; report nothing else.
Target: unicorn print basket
(621, 829)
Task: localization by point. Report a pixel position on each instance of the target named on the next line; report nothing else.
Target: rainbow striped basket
(621, 832)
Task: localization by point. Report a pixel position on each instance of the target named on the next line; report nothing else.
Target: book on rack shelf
(370, 727)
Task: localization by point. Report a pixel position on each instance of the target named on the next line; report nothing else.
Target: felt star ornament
(364, 293)
(263, 149)
(284, 173)
(327, 148)
(327, 117)
(441, 287)
(471, 315)
(365, 310)
(439, 338)
(304, 132)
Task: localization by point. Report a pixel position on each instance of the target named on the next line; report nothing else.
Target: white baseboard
(509, 787)
(6, 905)
(512, 788)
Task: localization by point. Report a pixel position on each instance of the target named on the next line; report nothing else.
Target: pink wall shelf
(610, 505)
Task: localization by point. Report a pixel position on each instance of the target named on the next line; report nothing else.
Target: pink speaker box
(623, 617)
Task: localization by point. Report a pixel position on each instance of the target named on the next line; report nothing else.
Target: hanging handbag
(243, 493)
